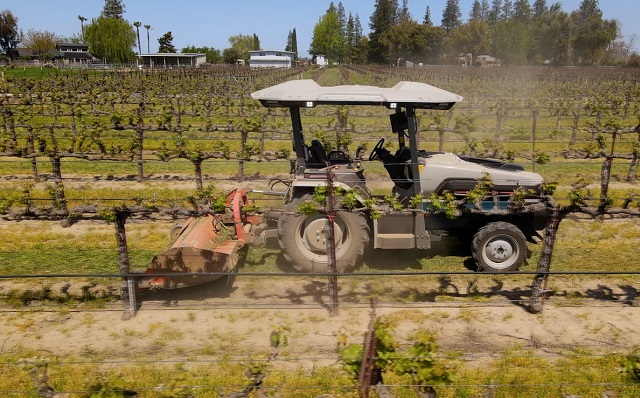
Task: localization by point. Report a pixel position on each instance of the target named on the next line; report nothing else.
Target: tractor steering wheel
(375, 151)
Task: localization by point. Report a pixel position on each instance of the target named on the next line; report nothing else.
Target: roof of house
(73, 45)
(271, 51)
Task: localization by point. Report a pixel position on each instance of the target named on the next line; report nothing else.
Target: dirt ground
(212, 321)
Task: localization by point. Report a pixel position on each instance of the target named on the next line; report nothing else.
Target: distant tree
(556, 36)
(242, 44)
(476, 11)
(165, 43)
(540, 9)
(213, 55)
(403, 12)
(451, 16)
(342, 17)
(111, 39)
(256, 43)
(113, 9)
(427, 17)
(292, 43)
(82, 21)
(522, 11)
(507, 9)
(327, 36)
(510, 41)
(9, 35)
(384, 17)
(495, 12)
(231, 55)
(41, 42)
(589, 9)
(472, 38)
(484, 9)
(138, 25)
(148, 28)
(412, 41)
(360, 43)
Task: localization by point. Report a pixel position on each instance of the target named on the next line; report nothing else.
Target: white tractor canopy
(307, 93)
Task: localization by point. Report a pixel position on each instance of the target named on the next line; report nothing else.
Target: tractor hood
(307, 93)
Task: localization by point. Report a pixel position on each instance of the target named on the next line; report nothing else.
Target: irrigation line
(317, 274)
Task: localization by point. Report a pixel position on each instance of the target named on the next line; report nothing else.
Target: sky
(211, 22)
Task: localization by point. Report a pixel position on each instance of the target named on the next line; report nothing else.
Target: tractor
(497, 234)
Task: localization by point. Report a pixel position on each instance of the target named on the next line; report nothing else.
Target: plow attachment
(207, 244)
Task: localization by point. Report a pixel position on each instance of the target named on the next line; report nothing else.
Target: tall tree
(540, 9)
(361, 43)
(593, 34)
(451, 16)
(342, 17)
(111, 39)
(411, 41)
(510, 41)
(507, 9)
(327, 36)
(256, 43)
(589, 9)
(403, 12)
(484, 9)
(294, 43)
(472, 38)
(242, 44)
(427, 17)
(556, 36)
(138, 25)
(476, 11)
(9, 35)
(165, 43)
(41, 42)
(82, 21)
(148, 28)
(113, 9)
(522, 11)
(383, 18)
(495, 12)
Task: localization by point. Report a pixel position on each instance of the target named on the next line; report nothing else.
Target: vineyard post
(139, 142)
(32, 151)
(127, 287)
(332, 269)
(633, 167)
(534, 123)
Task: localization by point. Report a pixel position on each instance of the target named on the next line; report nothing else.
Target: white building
(271, 59)
(320, 60)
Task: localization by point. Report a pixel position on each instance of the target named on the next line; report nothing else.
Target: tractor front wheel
(303, 239)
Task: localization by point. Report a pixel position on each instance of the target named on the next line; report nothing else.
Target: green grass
(516, 374)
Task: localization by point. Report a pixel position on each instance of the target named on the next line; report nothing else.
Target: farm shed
(271, 59)
(166, 60)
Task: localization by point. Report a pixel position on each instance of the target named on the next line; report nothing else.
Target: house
(168, 60)
(65, 53)
(271, 59)
(74, 53)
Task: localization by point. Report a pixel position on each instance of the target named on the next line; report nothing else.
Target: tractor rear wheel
(303, 240)
(499, 247)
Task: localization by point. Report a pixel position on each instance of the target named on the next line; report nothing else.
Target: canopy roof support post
(298, 139)
(413, 146)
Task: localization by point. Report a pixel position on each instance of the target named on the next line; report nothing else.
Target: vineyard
(82, 151)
